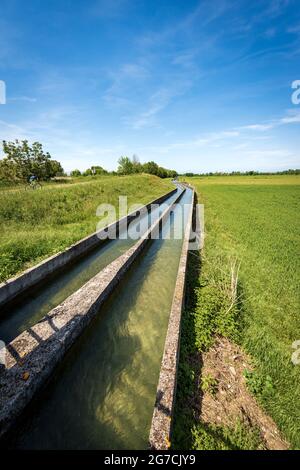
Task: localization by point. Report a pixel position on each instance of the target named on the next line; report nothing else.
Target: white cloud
(157, 102)
(258, 127)
(294, 29)
(293, 116)
(290, 119)
(108, 9)
(29, 99)
(122, 80)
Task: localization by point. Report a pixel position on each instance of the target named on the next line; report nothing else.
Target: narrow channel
(29, 309)
(103, 393)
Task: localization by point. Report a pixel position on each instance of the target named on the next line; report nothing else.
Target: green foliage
(22, 161)
(128, 167)
(258, 385)
(95, 170)
(209, 384)
(216, 312)
(75, 173)
(239, 437)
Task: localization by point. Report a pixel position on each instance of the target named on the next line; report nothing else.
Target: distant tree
(172, 174)
(129, 166)
(137, 167)
(87, 172)
(125, 166)
(55, 169)
(75, 173)
(98, 170)
(151, 168)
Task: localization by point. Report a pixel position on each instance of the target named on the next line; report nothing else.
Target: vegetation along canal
(32, 307)
(103, 393)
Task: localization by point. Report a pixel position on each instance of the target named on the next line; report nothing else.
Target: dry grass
(230, 400)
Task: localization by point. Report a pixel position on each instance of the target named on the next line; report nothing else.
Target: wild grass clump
(217, 303)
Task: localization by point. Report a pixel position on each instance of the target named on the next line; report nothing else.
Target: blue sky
(194, 85)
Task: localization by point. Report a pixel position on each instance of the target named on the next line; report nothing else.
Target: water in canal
(102, 395)
(32, 307)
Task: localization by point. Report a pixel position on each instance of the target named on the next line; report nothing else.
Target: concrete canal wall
(161, 426)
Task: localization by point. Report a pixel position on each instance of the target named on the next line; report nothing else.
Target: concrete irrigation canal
(94, 347)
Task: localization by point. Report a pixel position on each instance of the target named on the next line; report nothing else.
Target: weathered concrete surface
(17, 285)
(33, 355)
(161, 426)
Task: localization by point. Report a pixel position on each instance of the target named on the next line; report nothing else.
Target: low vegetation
(129, 166)
(36, 224)
(247, 291)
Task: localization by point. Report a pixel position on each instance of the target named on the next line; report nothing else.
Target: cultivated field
(37, 223)
(252, 222)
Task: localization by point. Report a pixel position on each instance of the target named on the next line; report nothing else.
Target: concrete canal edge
(17, 285)
(161, 426)
(33, 355)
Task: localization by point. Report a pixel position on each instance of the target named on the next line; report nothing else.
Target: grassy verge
(36, 224)
(255, 221)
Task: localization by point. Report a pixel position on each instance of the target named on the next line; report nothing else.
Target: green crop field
(36, 224)
(252, 222)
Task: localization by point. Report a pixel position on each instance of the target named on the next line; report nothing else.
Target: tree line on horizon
(242, 173)
(129, 166)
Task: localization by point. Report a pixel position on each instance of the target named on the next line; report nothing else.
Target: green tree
(125, 166)
(22, 160)
(98, 170)
(75, 173)
(137, 167)
(151, 168)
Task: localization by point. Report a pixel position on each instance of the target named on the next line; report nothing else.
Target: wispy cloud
(122, 80)
(108, 9)
(234, 138)
(292, 117)
(29, 99)
(294, 29)
(199, 18)
(258, 127)
(157, 102)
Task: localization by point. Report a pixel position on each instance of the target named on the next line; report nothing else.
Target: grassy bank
(251, 223)
(36, 224)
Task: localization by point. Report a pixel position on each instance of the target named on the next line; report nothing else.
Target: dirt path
(228, 398)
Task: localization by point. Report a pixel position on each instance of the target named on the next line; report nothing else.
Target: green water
(31, 308)
(103, 393)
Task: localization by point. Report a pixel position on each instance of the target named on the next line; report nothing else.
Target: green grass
(36, 224)
(256, 221)
(238, 437)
